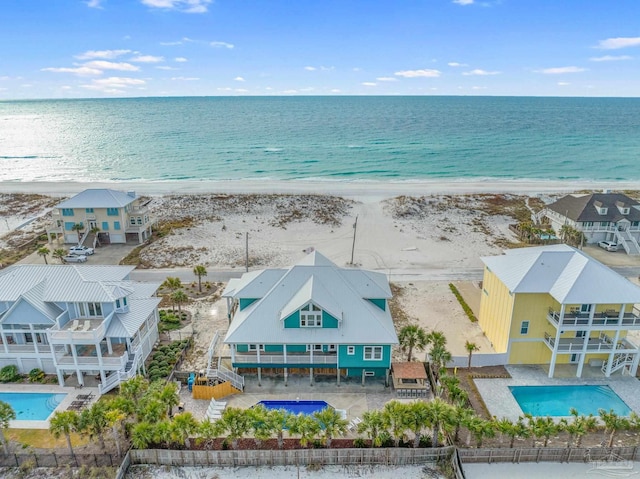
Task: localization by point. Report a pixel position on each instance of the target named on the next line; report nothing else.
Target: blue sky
(121, 48)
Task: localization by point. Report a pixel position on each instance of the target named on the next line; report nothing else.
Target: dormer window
(622, 208)
(310, 316)
(600, 208)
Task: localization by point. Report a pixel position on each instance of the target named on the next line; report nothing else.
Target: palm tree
(143, 435)
(64, 422)
(480, 428)
(504, 426)
(78, 227)
(331, 424)
(261, 427)
(471, 348)
(236, 423)
(172, 284)
(200, 271)
(438, 353)
(114, 417)
(59, 253)
(6, 414)
(151, 409)
(94, 231)
(134, 388)
(182, 426)
(412, 337)
(416, 419)
(544, 427)
(459, 418)
(520, 429)
(304, 426)
(44, 252)
(169, 397)
(613, 423)
(179, 297)
(94, 422)
(208, 431)
(439, 414)
(394, 416)
(164, 434)
(373, 426)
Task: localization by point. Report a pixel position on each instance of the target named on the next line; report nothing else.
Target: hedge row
(463, 303)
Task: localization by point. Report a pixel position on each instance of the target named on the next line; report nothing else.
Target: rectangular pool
(32, 406)
(557, 400)
(296, 407)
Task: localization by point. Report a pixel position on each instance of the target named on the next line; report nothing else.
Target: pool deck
(71, 392)
(501, 403)
(350, 396)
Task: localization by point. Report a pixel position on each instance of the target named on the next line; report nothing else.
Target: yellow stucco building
(554, 305)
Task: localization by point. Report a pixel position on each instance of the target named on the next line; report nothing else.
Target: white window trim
(351, 350)
(522, 326)
(317, 348)
(372, 353)
(252, 347)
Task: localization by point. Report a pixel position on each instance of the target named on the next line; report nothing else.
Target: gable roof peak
(315, 258)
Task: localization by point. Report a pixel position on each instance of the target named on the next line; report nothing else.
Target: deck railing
(291, 358)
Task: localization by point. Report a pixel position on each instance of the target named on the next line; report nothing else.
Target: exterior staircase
(129, 371)
(620, 360)
(628, 242)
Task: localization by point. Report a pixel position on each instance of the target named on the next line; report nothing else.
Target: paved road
(444, 274)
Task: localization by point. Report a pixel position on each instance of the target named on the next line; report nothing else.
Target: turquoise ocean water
(326, 138)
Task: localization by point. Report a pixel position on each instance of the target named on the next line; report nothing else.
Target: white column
(258, 352)
(109, 346)
(284, 352)
(75, 363)
(554, 353)
(233, 353)
(585, 341)
(4, 341)
(311, 365)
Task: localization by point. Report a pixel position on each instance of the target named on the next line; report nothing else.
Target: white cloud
(5, 78)
(310, 69)
(619, 42)
(241, 90)
(610, 58)
(463, 2)
(221, 45)
(102, 54)
(81, 71)
(563, 83)
(425, 73)
(369, 83)
(322, 68)
(166, 67)
(357, 69)
(180, 59)
(456, 64)
(239, 79)
(185, 78)
(478, 87)
(171, 44)
(224, 89)
(290, 92)
(480, 72)
(386, 79)
(147, 59)
(561, 70)
(113, 85)
(187, 6)
(65, 87)
(94, 4)
(336, 90)
(105, 65)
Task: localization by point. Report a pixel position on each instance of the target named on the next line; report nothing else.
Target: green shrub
(359, 442)
(36, 375)
(463, 303)
(9, 374)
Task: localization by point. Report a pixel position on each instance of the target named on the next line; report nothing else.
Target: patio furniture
(87, 325)
(74, 325)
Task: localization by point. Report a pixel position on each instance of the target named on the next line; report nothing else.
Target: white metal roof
(567, 274)
(130, 322)
(98, 198)
(339, 291)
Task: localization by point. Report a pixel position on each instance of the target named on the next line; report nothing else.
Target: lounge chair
(74, 325)
(87, 325)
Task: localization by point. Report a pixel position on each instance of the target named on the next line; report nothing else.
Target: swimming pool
(557, 400)
(296, 407)
(32, 406)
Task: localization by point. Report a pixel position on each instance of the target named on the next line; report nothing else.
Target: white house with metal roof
(556, 305)
(117, 215)
(313, 317)
(68, 319)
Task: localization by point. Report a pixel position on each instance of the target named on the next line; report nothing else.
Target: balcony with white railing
(602, 344)
(610, 320)
(79, 331)
(290, 358)
(87, 358)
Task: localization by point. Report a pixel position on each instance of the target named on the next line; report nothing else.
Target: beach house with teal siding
(312, 318)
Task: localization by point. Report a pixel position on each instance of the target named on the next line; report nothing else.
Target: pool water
(32, 406)
(296, 407)
(557, 400)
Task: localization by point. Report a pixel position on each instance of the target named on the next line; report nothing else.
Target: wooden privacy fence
(548, 454)
(218, 391)
(59, 460)
(295, 457)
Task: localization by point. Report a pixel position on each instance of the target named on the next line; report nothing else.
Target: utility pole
(246, 249)
(353, 246)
